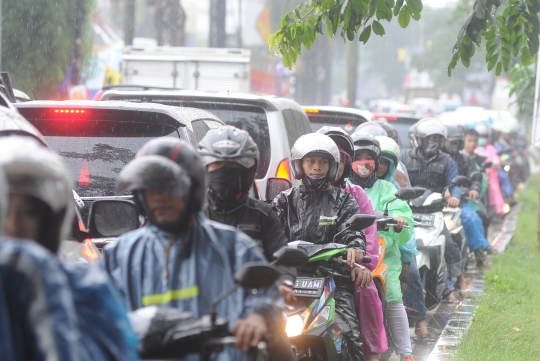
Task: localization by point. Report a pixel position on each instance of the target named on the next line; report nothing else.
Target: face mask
(482, 141)
(228, 187)
(363, 168)
(430, 147)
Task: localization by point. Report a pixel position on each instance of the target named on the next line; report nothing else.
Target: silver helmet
(315, 144)
(36, 171)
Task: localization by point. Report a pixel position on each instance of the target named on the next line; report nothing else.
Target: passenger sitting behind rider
(314, 212)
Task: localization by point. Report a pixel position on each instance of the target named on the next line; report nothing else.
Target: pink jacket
(372, 248)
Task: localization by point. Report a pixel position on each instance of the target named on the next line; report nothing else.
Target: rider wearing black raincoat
(315, 211)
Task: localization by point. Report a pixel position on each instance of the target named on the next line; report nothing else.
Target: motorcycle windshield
(314, 249)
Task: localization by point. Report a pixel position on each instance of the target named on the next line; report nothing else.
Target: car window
(96, 151)
(290, 126)
(302, 122)
(347, 123)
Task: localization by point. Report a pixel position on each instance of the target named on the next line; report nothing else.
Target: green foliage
(522, 83)
(37, 42)
(510, 29)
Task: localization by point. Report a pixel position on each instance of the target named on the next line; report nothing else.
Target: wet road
(450, 322)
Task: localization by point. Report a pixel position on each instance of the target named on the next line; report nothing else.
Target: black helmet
(455, 133)
(429, 126)
(366, 141)
(188, 159)
(372, 128)
(343, 140)
(391, 131)
(229, 143)
(157, 173)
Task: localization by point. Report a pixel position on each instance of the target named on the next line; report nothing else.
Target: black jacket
(259, 221)
(317, 215)
(466, 166)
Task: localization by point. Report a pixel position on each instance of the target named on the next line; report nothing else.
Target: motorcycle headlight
(295, 325)
(321, 318)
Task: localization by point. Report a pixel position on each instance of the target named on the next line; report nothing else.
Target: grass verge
(507, 322)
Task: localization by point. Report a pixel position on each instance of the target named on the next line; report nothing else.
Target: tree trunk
(352, 71)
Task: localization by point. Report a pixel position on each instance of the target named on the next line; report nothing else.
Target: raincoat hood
(390, 175)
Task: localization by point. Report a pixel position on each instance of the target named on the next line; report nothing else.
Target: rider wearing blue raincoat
(180, 258)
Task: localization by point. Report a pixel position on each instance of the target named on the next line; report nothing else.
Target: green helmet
(389, 148)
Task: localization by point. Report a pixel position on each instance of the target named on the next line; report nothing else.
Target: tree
(510, 29)
(39, 41)
(522, 84)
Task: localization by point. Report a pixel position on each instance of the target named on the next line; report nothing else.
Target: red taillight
(69, 111)
(284, 170)
(385, 117)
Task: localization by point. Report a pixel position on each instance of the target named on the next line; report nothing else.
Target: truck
(206, 69)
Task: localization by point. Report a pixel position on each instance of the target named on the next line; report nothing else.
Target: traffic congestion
(249, 200)
(186, 225)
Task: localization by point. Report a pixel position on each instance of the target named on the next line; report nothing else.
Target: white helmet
(36, 171)
(315, 144)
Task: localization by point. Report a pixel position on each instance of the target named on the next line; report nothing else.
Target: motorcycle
(311, 326)
(429, 221)
(168, 333)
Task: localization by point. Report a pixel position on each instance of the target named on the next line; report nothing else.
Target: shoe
(491, 250)
(409, 357)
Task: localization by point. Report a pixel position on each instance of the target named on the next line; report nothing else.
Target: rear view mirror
(275, 186)
(461, 181)
(406, 194)
(419, 191)
(290, 257)
(476, 176)
(256, 275)
(359, 222)
(112, 218)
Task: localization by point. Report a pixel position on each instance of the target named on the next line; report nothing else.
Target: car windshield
(345, 122)
(96, 151)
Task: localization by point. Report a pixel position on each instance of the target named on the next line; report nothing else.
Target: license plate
(424, 220)
(308, 287)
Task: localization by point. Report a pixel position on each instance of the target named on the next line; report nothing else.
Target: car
(402, 123)
(79, 251)
(273, 122)
(346, 118)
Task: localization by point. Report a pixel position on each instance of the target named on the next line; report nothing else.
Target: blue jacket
(37, 314)
(55, 311)
(152, 267)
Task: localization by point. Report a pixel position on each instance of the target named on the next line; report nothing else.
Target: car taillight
(69, 111)
(89, 251)
(284, 170)
(385, 117)
(311, 110)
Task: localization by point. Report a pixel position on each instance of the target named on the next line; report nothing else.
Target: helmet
(188, 159)
(157, 173)
(366, 141)
(391, 131)
(429, 126)
(389, 148)
(483, 130)
(229, 143)
(316, 144)
(372, 128)
(455, 133)
(343, 140)
(35, 171)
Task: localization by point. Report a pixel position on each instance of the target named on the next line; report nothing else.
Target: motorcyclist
(433, 169)
(314, 212)
(181, 259)
(231, 173)
(369, 305)
(488, 151)
(41, 212)
(367, 153)
(472, 224)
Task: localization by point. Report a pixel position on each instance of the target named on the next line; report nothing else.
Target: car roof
(268, 102)
(366, 114)
(184, 116)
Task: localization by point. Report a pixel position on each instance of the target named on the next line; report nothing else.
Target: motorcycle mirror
(290, 257)
(359, 222)
(406, 194)
(419, 191)
(275, 186)
(256, 275)
(461, 181)
(112, 218)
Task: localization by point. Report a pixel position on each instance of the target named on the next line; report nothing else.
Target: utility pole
(1, 34)
(218, 13)
(352, 71)
(129, 22)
